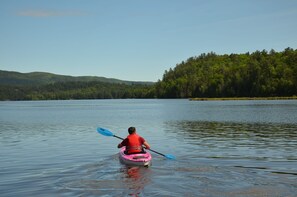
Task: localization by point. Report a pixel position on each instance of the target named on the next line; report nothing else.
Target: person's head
(131, 130)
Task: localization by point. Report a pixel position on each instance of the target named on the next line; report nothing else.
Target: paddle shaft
(157, 152)
(118, 137)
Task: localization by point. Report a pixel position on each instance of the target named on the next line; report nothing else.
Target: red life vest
(134, 143)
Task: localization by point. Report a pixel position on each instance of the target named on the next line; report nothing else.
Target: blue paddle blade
(170, 156)
(104, 132)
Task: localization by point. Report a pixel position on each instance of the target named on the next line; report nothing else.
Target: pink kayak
(141, 159)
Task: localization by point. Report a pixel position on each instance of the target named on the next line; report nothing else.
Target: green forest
(75, 90)
(257, 74)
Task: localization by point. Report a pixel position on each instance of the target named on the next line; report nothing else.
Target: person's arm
(147, 146)
(123, 143)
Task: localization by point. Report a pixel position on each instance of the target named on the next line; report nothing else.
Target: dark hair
(131, 130)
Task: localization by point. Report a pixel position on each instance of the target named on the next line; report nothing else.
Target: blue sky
(136, 40)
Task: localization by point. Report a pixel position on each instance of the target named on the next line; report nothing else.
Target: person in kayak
(134, 143)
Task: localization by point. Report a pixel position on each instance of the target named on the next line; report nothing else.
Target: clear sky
(136, 40)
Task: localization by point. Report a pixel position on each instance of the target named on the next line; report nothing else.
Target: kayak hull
(141, 159)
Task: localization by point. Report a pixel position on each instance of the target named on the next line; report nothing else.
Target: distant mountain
(43, 78)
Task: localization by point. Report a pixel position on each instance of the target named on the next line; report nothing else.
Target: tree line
(257, 74)
(75, 90)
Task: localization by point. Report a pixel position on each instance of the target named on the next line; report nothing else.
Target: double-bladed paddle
(108, 133)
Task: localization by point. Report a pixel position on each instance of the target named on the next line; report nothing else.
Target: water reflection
(257, 134)
(136, 178)
(261, 146)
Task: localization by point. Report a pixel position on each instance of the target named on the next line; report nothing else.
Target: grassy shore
(243, 98)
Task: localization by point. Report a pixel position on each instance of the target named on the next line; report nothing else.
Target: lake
(222, 148)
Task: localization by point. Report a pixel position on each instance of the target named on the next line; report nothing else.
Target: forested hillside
(48, 86)
(43, 78)
(258, 74)
(75, 90)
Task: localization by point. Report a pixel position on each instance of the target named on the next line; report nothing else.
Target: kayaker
(134, 143)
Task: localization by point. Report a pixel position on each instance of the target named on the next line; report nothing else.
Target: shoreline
(244, 98)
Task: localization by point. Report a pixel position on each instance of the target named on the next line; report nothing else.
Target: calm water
(223, 148)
